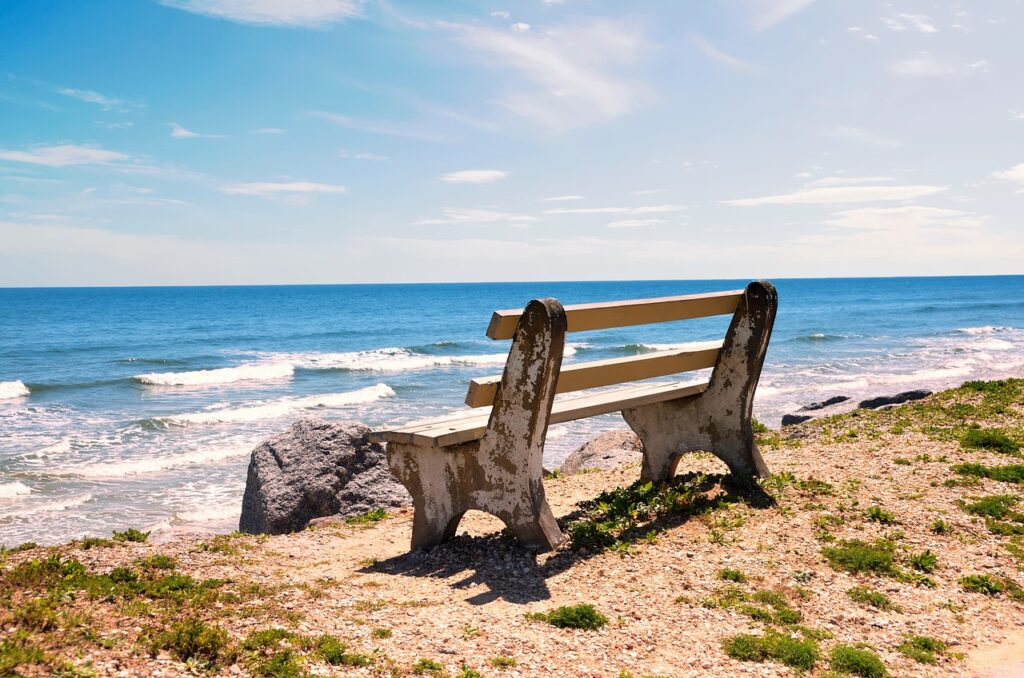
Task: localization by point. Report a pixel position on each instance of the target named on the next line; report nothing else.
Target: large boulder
(316, 468)
(606, 451)
(834, 400)
(899, 398)
(794, 419)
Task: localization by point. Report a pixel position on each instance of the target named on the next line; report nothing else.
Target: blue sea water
(139, 406)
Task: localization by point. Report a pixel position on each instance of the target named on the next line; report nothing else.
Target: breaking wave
(986, 329)
(224, 375)
(13, 389)
(388, 360)
(118, 469)
(15, 489)
(282, 407)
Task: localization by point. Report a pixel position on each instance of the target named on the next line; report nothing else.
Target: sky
(179, 142)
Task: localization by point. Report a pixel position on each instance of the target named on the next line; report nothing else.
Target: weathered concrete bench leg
(718, 420)
(501, 473)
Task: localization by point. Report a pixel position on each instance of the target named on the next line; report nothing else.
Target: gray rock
(316, 468)
(792, 419)
(899, 398)
(606, 451)
(834, 400)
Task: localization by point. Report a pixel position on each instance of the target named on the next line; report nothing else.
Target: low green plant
(424, 665)
(381, 633)
(87, 543)
(875, 599)
(879, 515)
(857, 556)
(263, 639)
(982, 583)
(730, 574)
(773, 646)
(131, 535)
(857, 661)
(922, 649)
(372, 516)
(158, 561)
(502, 662)
(991, 439)
(925, 561)
(582, 616)
(282, 664)
(336, 653)
(1008, 473)
(193, 640)
(940, 526)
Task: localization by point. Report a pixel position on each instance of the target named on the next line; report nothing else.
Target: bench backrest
(585, 317)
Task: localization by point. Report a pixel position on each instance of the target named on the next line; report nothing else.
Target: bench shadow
(512, 572)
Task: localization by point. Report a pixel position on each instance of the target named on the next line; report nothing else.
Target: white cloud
(838, 195)
(374, 127)
(268, 130)
(1017, 115)
(520, 27)
(568, 76)
(500, 14)
(921, 65)
(563, 198)
(91, 97)
(915, 22)
(859, 30)
(284, 13)
(861, 134)
(980, 65)
(471, 215)
(844, 181)
(718, 55)
(767, 13)
(179, 132)
(635, 223)
(473, 177)
(125, 124)
(362, 155)
(65, 155)
(270, 189)
(646, 209)
(910, 217)
(1014, 174)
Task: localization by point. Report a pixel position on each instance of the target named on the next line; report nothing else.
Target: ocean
(139, 406)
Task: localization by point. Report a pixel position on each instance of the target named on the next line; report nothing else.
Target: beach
(676, 591)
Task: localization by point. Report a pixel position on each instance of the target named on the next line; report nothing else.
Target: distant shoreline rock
(314, 469)
(841, 404)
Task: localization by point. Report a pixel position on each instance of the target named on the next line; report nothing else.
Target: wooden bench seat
(489, 458)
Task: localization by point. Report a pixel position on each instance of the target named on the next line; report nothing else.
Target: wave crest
(388, 360)
(13, 389)
(15, 489)
(224, 375)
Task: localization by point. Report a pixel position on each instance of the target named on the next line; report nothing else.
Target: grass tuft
(131, 535)
(922, 649)
(991, 439)
(773, 646)
(582, 616)
(857, 661)
(858, 556)
(875, 599)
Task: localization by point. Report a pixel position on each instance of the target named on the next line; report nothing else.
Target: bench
(489, 459)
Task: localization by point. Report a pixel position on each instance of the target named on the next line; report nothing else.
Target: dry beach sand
(696, 575)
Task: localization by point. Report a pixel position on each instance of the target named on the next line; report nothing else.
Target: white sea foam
(282, 407)
(685, 346)
(152, 465)
(386, 360)
(57, 449)
(13, 389)
(224, 375)
(55, 506)
(986, 329)
(15, 489)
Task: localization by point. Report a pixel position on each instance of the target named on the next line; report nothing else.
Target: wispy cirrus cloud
(64, 155)
(767, 13)
(179, 132)
(269, 189)
(363, 155)
(279, 13)
(91, 97)
(473, 215)
(403, 131)
(645, 209)
(912, 22)
(566, 76)
(910, 217)
(839, 195)
(635, 223)
(563, 198)
(860, 134)
(1014, 174)
(720, 56)
(488, 176)
(921, 65)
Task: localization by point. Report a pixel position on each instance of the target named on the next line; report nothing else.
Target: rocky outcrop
(898, 399)
(829, 402)
(316, 468)
(606, 451)
(793, 419)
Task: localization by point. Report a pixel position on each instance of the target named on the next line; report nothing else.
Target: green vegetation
(922, 649)
(940, 526)
(767, 607)
(858, 556)
(1010, 473)
(875, 599)
(879, 515)
(991, 439)
(925, 561)
(467, 672)
(729, 574)
(131, 535)
(87, 543)
(773, 646)
(857, 661)
(981, 583)
(372, 516)
(381, 633)
(617, 518)
(582, 616)
(336, 653)
(192, 640)
(998, 511)
(502, 662)
(158, 562)
(427, 666)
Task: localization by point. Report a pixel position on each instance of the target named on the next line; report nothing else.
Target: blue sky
(319, 141)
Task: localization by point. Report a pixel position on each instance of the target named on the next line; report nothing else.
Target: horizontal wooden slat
(466, 426)
(583, 317)
(581, 376)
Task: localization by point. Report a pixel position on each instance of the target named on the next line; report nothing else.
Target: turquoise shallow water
(139, 406)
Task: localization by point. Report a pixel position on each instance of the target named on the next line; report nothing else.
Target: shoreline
(671, 608)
